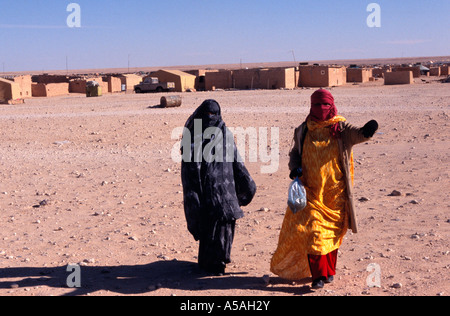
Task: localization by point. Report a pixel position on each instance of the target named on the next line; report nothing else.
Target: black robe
(214, 190)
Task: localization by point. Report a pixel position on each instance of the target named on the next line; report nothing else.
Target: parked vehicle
(153, 85)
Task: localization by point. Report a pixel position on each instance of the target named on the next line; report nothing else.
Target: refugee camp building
(183, 80)
(415, 70)
(257, 78)
(200, 80)
(398, 77)
(445, 71)
(279, 78)
(130, 80)
(79, 85)
(269, 78)
(435, 71)
(10, 92)
(378, 72)
(50, 89)
(359, 74)
(322, 76)
(24, 85)
(219, 79)
(114, 84)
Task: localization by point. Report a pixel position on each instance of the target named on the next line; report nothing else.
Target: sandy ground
(111, 198)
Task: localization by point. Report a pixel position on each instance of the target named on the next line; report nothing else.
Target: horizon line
(224, 65)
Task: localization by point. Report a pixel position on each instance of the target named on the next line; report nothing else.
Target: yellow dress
(320, 228)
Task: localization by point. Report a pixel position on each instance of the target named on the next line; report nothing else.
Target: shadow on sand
(142, 279)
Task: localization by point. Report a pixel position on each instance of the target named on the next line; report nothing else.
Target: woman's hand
(370, 128)
(296, 173)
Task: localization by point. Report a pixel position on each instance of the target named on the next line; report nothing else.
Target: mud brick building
(10, 92)
(248, 79)
(415, 70)
(114, 84)
(359, 74)
(220, 79)
(130, 80)
(322, 76)
(79, 85)
(270, 78)
(50, 89)
(398, 77)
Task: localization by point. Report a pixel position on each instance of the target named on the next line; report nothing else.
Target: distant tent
(183, 80)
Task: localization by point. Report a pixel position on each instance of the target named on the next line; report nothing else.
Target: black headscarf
(210, 114)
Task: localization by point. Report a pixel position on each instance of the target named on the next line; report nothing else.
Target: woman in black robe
(215, 184)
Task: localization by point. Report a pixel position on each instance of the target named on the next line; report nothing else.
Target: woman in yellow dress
(322, 158)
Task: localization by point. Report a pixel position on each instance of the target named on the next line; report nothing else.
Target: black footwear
(329, 280)
(215, 270)
(318, 284)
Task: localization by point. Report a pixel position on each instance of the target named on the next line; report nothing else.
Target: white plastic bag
(297, 196)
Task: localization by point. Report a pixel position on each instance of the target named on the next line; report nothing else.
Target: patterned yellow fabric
(320, 228)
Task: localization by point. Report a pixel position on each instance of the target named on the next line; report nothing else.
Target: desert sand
(91, 181)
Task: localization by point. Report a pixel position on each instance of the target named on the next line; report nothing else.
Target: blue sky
(34, 34)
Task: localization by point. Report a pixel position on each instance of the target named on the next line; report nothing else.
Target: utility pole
(295, 67)
(293, 55)
(128, 63)
(67, 65)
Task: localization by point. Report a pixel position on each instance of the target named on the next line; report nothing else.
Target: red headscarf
(320, 112)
